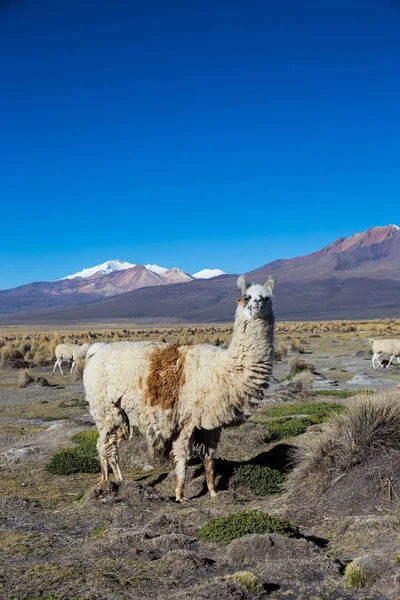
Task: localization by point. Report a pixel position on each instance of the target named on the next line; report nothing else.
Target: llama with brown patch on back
(179, 395)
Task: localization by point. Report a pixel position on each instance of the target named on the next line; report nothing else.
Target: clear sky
(193, 134)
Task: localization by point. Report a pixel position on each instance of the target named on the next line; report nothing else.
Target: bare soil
(74, 538)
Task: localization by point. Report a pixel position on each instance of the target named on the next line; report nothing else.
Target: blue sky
(212, 134)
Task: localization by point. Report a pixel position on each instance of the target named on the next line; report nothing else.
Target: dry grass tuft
(78, 370)
(280, 351)
(368, 432)
(24, 379)
(296, 365)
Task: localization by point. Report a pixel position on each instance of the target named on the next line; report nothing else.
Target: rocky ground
(73, 538)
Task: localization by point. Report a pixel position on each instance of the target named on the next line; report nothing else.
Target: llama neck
(250, 361)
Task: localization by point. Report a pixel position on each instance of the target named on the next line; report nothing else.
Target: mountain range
(351, 278)
(101, 281)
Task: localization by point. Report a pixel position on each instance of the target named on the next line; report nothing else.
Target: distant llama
(70, 353)
(379, 347)
(178, 395)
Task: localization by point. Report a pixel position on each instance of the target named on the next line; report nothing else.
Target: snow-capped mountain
(171, 275)
(107, 267)
(114, 265)
(208, 273)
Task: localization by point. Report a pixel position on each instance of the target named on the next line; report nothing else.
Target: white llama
(70, 353)
(176, 395)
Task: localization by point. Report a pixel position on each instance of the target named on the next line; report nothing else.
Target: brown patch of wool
(166, 376)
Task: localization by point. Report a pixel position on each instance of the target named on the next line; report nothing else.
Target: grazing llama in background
(70, 353)
(180, 395)
(379, 347)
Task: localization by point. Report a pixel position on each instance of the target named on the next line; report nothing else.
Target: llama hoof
(183, 499)
(213, 494)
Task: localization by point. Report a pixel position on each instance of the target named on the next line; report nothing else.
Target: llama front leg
(181, 452)
(209, 469)
(211, 439)
(107, 447)
(72, 366)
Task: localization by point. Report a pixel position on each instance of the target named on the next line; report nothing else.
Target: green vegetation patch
(285, 428)
(339, 393)
(81, 459)
(261, 480)
(248, 582)
(320, 409)
(296, 418)
(239, 524)
(354, 577)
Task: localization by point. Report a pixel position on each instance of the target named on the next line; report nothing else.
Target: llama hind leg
(181, 451)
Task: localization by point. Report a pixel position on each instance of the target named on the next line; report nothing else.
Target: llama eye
(246, 298)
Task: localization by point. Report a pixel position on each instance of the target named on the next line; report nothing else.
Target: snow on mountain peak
(208, 273)
(156, 269)
(107, 267)
(119, 265)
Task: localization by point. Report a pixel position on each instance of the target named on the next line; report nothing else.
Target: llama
(389, 346)
(180, 395)
(70, 353)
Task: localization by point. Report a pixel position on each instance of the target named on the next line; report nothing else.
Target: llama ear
(269, 286)
(242, 285)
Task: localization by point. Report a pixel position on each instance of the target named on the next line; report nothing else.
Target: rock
(183, 560)
(41, 382)
(249, 549)
(362, 379)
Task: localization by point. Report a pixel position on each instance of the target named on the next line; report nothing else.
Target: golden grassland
(36, 346)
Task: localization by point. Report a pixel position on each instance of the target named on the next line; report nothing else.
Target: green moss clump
(283, 428)
(239, 524)
(321, 410)
(261, 480)
(82, 459)
(340, 393)
(248, 582)
(87, 439)
(291, 425)
(354, 577)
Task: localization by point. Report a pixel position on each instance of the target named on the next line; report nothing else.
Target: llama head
(255, 301)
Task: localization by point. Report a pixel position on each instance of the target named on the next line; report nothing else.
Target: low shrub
(290, 427)
(248, 582)
(354, 576)
(81, 459)
(261, 480)
(321, 410)
(230, 527)
(296, 418)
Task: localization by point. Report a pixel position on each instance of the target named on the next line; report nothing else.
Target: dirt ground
(68, 536)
